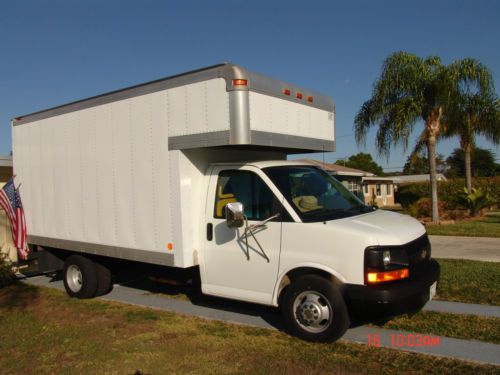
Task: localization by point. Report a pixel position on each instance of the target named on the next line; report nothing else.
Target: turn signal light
(240, 82)
(380, 277)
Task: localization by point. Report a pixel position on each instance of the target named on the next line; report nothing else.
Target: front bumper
(378, 302)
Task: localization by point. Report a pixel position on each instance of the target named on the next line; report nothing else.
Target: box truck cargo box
(190, 171)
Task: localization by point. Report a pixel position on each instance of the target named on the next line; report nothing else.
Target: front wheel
(314, 309)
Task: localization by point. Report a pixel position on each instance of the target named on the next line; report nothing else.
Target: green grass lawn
(42, 331)
(487, 226)
(469, 281)
(467, 327)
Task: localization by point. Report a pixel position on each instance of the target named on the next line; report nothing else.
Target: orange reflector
(170, 246)
(285, 91)
(298, 95)
(240, 82)
(380, 277)
(310, 99)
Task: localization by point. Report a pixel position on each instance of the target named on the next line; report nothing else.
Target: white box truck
(190, 172)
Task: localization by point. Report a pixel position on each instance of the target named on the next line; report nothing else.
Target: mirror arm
(249, 229)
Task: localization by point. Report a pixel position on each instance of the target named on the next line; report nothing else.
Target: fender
(318, 266)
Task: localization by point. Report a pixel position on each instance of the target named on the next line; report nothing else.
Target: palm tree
(475, 109)
(409, 89)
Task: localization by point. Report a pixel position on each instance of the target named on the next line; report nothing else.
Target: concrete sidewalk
(485, 249)
(266, 317)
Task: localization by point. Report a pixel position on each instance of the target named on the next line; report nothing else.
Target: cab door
(237, 264)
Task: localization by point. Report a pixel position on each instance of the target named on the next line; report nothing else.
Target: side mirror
(235, 216)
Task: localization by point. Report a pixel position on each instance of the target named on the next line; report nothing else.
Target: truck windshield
(314, 194)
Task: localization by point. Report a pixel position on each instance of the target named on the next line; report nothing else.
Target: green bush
(6, 275)
(423, 208)
(476, 200)
(450, 192)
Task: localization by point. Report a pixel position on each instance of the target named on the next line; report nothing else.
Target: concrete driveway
(474, 248)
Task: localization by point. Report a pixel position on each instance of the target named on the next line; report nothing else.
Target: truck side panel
(104, 175)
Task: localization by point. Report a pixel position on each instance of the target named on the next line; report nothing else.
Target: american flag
(10, 201)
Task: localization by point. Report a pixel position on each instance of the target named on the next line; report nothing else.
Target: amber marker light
(310, 99)
(170, 246)
(240, 82)
(380, 277)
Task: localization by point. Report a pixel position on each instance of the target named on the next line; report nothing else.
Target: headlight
(386, 264)
(386, 257)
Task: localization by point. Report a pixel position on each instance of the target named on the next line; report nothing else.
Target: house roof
(417, 178)
(5, 161)
(336, 169)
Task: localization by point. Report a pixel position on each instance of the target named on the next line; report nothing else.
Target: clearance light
(380, 277)
(310, 99)
(240, 82)
(170, 246)
(286, 92)
(298, 95)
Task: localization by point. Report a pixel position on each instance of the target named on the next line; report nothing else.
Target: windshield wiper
(360, 207)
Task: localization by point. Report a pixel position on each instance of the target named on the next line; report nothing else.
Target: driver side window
(248, 188)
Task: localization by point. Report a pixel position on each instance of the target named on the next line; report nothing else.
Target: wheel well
(294, 274)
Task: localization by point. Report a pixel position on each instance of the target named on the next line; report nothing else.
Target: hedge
(448, 191)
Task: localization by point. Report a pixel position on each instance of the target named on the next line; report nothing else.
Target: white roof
(376, 178)
(417, 178)
(5, 161)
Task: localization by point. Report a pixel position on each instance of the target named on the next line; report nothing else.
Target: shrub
(476, 200)
(6, 275)
(423, 208)
(450, 192)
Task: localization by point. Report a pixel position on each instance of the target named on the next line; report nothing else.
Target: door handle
(210, 231)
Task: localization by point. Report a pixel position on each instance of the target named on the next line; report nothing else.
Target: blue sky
(54, 52)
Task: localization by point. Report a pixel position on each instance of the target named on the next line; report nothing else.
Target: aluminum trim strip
(182, 142)
(144, 256)
(257, 138)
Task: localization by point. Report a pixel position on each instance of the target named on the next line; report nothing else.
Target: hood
(383, 227)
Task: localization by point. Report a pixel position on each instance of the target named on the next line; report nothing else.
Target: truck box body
(121, 174)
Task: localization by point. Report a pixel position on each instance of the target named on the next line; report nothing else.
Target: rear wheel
(314, 309)
(80, 277)
(104, 284)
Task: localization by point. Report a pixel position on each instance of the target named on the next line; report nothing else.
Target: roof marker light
(310, 99)
(298, 95)
(286, 92)
(240, 82)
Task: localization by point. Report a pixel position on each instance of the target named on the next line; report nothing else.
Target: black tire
(104, 284)
(80, 277)
(314, 310)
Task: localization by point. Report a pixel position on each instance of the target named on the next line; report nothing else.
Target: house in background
(367, 186)
(5, 169)
(7, 248)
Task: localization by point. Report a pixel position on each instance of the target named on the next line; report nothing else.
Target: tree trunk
(431, 152)
(468, 167)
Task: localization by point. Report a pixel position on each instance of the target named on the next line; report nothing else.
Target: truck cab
(288, 234)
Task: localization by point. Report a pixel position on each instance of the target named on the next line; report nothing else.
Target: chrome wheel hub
(74, 278)
(312, 311)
